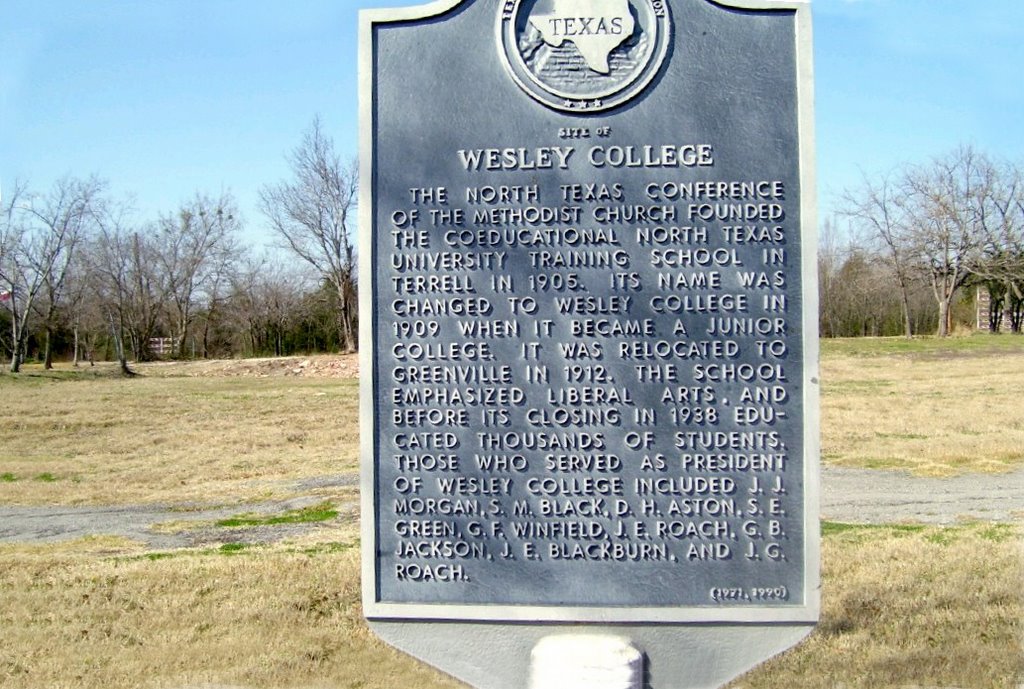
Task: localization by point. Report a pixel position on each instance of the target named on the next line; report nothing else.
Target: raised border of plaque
(803, 611)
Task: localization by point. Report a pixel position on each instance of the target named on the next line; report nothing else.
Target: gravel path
(47, 524)
(848, 495)
(868, 496)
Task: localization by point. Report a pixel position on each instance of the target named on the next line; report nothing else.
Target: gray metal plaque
(589, 340)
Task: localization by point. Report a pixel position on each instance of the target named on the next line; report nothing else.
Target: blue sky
(164, 98)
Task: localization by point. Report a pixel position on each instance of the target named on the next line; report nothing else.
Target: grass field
(101, 613)
(931, 407)
(95, 438)
(903, 605)
(908, 606)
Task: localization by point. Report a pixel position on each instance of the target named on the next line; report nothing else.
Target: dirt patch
(320, 366)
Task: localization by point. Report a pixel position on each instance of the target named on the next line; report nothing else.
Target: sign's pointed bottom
(497, 656)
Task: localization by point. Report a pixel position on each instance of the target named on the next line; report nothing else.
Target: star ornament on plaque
(584, 55)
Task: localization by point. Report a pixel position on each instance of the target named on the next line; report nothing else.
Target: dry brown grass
(237, 431)
(99, 614)
(159, 438)
(933, 413)
(903, 607)
(911, 607)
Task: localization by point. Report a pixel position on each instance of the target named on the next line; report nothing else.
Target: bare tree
(20, 278)
(12, 296)
(111, 279)
(944, 200)
(212, 318)
(129, 284)
(267, 302)
(39, 237)
(78, 305)
(67, 214)
(999, 262)
(880, 208)
(312, 214)
(866, 301)
(830, 259)
(195, 248)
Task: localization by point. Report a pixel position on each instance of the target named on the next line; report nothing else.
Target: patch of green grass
(37, 375)
(830, 528)
(874, 386)
(978, 344)
(234, 548)
(904, 528)
(315, 513)
(901, 436)
(225, 549)
(997, 533)
(882, 463)
(8, 477)
(939, 535)
(327, 548)
(943, 537)
(46, 477)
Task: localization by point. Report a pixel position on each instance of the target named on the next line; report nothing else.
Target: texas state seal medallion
(584, 55)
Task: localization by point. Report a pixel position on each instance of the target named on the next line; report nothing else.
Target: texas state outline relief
(595, 27)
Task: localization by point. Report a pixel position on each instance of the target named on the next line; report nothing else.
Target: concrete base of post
(585, 661)
(492, 655)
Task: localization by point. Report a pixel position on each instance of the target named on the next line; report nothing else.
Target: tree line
(922, 239)
(81, 277)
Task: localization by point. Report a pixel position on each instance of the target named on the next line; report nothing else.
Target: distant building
(163, 346)
(993, 318)
(982, 309)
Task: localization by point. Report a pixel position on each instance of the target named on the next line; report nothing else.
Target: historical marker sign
(589, 322)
